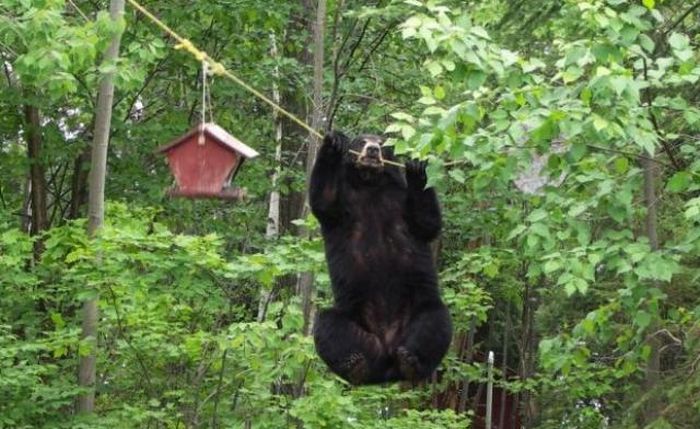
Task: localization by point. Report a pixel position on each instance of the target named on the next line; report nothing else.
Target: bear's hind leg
(348, 349)
(426, 341)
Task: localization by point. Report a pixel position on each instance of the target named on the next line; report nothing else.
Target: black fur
(388, 322)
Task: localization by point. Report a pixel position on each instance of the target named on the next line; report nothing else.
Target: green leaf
(642, 319)
(679, 182)
(516, 232)
(434, 110)
(656, 266)
(578, 150)
(412, 22)
(600, 123)
(692, 209)
(434, 67)
(647, 43)
(619, 84)
(491, 270)
(622, 165)
(649, 3)
(479, 31)
(407, 131)
(551, 266)
(457, 175)
(439, 92)
(449, 65)
(572, 74)
(401, 116)
(678, 41)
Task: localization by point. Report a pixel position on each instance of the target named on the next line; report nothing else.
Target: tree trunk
(528, 358)
(650, 200)
(103, 119)
(305, 281)
(467, 355)
(273, 213)
(651, 375)
(504, 368)
(79, 181)
(295, 99)
(26, 214)
(37, 175)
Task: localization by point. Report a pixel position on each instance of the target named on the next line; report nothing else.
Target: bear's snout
(372, 150)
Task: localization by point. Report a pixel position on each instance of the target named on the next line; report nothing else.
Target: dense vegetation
(562, 137)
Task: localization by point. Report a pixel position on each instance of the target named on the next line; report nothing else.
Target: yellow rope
(384, 161)
(217, 68)
(77, 9)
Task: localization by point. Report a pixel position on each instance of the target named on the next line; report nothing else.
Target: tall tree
(272, 229)
(652, 372)
(37, 173)
(305, 281)
(98, 170)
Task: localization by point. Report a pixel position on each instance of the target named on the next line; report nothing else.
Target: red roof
(217, 133)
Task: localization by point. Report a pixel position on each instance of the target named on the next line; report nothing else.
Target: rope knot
(217, 68)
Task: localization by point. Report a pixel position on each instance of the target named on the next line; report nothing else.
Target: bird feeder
(205, 161)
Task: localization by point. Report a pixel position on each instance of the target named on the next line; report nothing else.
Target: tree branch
(647, 95)
(677, 22)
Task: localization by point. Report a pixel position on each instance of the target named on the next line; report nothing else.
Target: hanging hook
(204, 102)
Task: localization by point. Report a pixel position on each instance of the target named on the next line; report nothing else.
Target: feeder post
(489, 392)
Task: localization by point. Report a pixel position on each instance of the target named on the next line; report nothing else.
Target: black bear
(388, 322)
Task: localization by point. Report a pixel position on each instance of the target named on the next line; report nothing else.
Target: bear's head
(367, 156)
(369, 147)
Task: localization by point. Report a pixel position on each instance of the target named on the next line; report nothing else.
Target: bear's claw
(355, 366)
(408, 363)
(416, 173)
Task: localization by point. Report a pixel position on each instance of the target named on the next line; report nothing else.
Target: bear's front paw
(415, 173)
(335, 143)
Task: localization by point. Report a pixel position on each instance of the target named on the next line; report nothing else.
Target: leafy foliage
(539, 120)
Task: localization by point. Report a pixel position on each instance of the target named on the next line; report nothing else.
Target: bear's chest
(378, 235)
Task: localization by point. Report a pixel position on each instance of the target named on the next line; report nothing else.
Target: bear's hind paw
(408, 364)
(355, 368)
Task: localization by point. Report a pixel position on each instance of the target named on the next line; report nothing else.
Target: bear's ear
(388, 152)
(336, 138)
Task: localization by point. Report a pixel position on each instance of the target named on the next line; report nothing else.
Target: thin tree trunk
(79, 184)
(37, 175)
(652, 372)
(273, 214)
(305, 281)
(103, 120)
(650, 200)
(504, 368)
(26, 214)
(464, 394)
(528, 354)
(296, 101)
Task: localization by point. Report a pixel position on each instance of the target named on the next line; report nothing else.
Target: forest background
(562, 137)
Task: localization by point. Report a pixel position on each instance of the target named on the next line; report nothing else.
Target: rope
(218, 69)
(384, 161)
(80, 12)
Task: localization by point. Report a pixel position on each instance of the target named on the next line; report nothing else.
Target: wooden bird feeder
(205, 161)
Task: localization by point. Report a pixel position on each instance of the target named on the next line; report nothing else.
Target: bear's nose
(373, 150)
